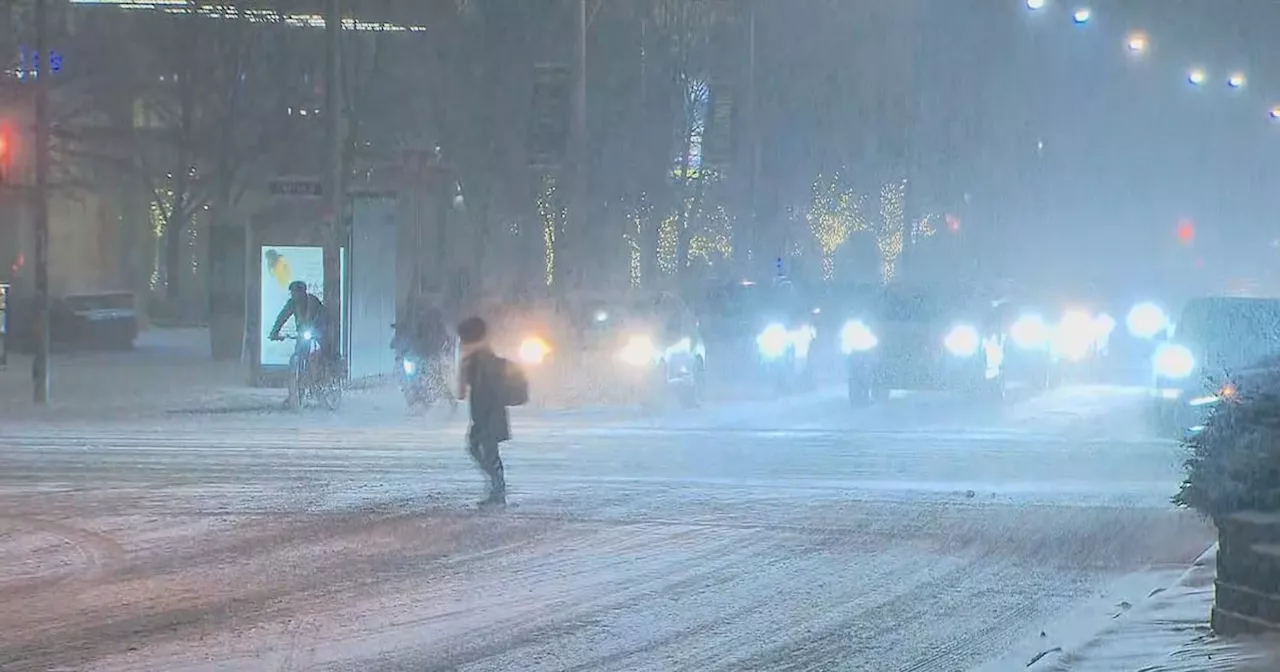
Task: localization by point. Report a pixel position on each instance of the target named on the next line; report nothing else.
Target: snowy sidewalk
(169, 371)
(1168, 632)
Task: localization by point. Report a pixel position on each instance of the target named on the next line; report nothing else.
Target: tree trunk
(682, 227)
(173, 265)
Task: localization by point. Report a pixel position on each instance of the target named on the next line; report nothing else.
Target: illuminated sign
(282, 265)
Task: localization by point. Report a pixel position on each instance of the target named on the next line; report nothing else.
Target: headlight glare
(963, 341)
(638, 351)
(1174, 361)
(856, 336)
(534, 350)
(773, 341)
(1029, 332)
(1146, 320)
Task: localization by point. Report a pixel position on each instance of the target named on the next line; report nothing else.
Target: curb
(1045, 660)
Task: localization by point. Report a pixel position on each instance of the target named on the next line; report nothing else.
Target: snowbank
(1168, 632)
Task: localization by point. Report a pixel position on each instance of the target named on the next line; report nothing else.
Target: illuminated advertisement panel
(281, 265)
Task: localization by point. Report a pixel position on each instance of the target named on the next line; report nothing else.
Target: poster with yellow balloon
(282, 265)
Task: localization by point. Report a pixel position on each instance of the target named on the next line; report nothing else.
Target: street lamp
(1035, 4)
(1082, 15)
(1197, 76)
(1236, 80)
(1275, 113)
(1137, 42)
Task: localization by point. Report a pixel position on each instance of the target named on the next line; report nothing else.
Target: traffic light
(1186, 232)
(6, 152)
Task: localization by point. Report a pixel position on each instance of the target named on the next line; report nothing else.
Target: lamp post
(40, 364)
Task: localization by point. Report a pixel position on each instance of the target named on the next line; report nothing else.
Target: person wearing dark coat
(481, 381)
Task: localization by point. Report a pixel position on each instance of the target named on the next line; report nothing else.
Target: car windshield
(749, 300)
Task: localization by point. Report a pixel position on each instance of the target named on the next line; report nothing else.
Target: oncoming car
(1214, 340)
(612, 349)
(760, 334)
(919, 341)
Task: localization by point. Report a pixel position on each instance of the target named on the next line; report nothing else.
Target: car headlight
(856, 336)
(963, 341)
(1174, 361)
(1029, 332)
(409, 367)
(638, 351)
(534, 350)
(1076, 335)
(1146, 320)
(773, 341)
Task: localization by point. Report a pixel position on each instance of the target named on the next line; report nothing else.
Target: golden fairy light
(637, 222)
(159, 222)
(890, 234)
(714, 242)
(547, 211)
(668, 243)
(924, 228)
(834, 214)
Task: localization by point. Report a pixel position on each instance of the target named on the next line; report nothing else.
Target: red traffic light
(1186, 231)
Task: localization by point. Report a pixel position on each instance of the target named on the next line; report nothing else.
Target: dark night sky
(1129, 146)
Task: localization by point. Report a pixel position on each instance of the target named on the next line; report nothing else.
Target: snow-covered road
(926, 534)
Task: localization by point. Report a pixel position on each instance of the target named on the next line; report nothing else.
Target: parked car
(90, 321)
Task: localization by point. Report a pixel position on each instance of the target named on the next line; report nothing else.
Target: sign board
(717, 143)
(282, 265)
(549, 122)
(296, 187)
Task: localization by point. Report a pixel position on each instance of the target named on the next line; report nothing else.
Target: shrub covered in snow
(1234, 462)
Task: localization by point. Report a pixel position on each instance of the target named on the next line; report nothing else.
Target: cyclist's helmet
(298, 286)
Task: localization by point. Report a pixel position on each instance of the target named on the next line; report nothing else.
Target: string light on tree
(637, 224)
(715, 241)
(889, 235)
(550, 216)
(924, 228)
(834, 214)
(668, 243)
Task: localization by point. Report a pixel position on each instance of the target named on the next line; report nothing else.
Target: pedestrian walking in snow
(487, 382)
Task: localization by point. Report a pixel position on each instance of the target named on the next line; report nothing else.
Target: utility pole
(40, 365)
(577, 224)
(754, 234)
(334, 183)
